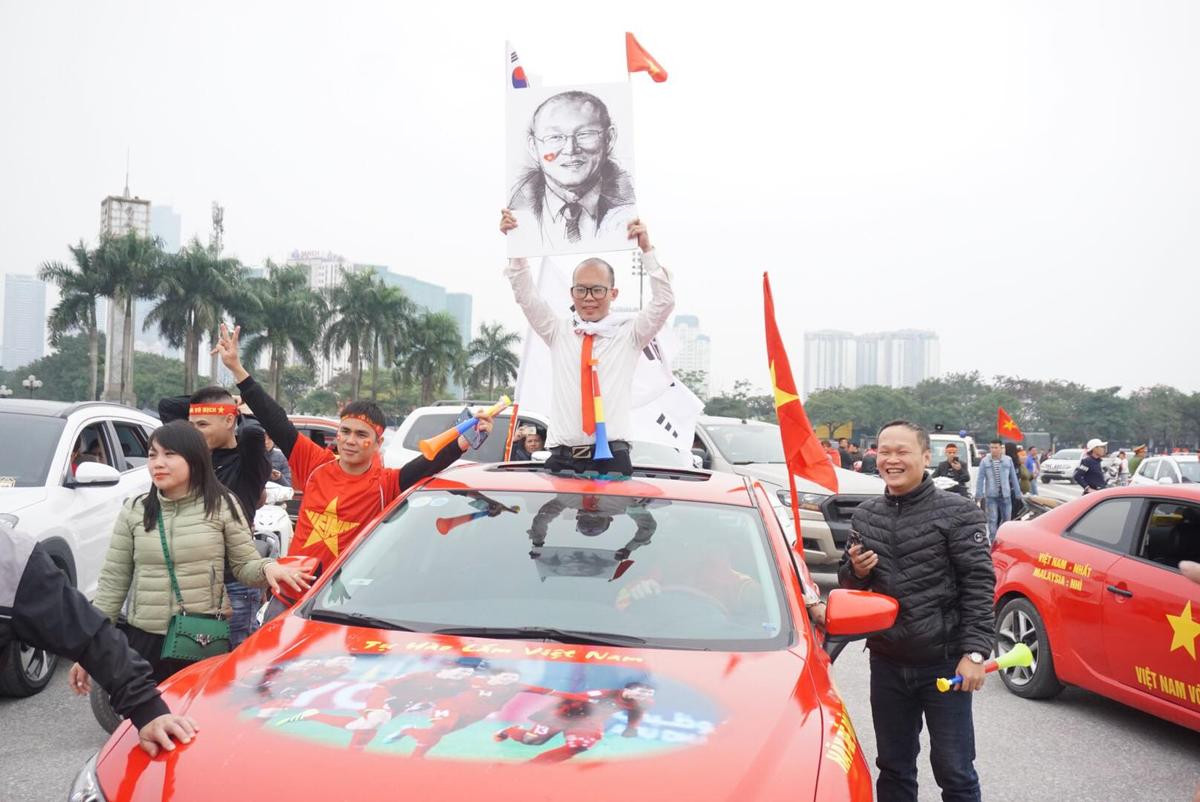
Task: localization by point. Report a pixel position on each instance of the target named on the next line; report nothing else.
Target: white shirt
(554, 224)
(617, 353)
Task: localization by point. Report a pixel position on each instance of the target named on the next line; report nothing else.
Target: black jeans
(619, 464)
(900, 696)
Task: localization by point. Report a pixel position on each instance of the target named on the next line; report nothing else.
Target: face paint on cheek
(549, 156)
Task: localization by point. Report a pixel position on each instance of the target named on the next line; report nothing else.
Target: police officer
(39, 607)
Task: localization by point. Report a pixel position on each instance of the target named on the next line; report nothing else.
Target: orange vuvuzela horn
(432, 445)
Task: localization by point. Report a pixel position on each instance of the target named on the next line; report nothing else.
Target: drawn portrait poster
(570, 169)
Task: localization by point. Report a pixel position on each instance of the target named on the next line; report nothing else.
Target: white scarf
(607, 327)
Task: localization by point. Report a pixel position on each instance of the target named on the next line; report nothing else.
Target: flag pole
(512, 426)
(796, 510)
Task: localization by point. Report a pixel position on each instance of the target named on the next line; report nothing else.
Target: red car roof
(672, 483)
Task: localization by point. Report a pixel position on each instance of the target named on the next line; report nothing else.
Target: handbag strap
(162, 534)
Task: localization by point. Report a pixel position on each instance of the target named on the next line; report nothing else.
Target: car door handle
(1120, 591)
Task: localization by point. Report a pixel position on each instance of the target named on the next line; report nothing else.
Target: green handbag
(191, 636)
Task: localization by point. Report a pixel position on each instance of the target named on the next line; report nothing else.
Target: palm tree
(432, 354)
(289, 317)
(350, 327)
(79, 291)
(391, 314)
(189, 289)
(492, 356)
(129, 268)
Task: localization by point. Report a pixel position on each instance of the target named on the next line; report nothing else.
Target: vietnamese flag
(1006, 426)
(638, 60)
(801, 448)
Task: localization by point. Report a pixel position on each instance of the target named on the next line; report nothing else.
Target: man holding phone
(928, 549)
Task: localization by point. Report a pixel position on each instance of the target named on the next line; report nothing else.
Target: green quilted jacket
(135, 566)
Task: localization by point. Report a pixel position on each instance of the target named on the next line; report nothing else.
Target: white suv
(64, 471)
(755, 449)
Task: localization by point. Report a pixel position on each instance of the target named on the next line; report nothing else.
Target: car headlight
(86, 787)
(9, 520)
(806, 501)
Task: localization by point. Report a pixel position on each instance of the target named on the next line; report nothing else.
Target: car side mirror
(94, 474)
(856, 614)
(705, 459)
(308, 565)
(1166, 480)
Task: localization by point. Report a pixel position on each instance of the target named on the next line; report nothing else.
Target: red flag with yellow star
(801, 449)
(1006, 427)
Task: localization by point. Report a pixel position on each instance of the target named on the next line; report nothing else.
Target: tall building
(830, 360)
(693, 351)
(165, 224)
(24, 321)
(325, 271)
(120, 214)
(888, 358)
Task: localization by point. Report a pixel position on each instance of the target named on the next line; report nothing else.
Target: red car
(504, 632)
(1094, 589)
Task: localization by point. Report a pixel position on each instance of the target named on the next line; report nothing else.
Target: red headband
(212, 409)
(378, 429)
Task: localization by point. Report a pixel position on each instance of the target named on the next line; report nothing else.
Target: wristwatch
(974, 657)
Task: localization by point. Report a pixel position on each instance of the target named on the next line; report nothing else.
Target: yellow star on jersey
(1186, 629)
(781, 397)
(326, 527)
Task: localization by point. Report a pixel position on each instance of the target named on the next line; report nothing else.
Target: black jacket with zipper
(935, 560)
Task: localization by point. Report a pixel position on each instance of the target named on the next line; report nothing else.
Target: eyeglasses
(579, 292)
(584, 139)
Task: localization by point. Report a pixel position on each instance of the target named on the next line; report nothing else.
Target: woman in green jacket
(204, 528)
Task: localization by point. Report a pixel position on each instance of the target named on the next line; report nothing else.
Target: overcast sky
(1023, 178)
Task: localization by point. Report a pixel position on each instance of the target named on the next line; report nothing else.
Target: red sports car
(506, 633)
(1094, 589)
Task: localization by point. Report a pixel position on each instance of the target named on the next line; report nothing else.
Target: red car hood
(308, 710)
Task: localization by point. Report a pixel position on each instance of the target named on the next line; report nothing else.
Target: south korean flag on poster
(663, 410)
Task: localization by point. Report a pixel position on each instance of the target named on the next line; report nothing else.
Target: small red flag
(1006, 427)
(638, 60)
(801, 448)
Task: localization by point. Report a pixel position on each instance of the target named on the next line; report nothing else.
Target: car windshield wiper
(545, 633)
(358, 620)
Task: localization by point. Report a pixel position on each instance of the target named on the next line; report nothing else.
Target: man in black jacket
(1090, 473)
(955, 469)
(928, 549)
(240, 462)
(39, 607)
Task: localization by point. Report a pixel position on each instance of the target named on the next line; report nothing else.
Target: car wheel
(102, 708)
(1045, 480)
(1018, 622)
(27, 670)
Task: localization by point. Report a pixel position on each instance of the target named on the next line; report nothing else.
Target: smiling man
(928, 549)
(590, 338)
(576, 192)
(342, 491)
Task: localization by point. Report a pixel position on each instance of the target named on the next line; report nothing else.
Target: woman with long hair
(203, 527)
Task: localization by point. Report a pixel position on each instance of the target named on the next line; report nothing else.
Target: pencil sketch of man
(577, 192)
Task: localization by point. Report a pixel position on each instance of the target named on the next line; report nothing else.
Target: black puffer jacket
(935, 560)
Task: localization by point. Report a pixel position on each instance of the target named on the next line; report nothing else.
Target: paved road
(1077, 747)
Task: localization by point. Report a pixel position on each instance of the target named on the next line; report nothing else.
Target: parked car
(1093, 588)
(64, 472)
(1179, 469)
(754, 449)
(1061, 465)
(499, 622)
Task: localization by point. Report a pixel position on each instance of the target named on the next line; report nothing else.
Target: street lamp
(31, 383)
(4, 391)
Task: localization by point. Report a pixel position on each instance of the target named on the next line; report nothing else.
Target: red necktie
(585, 386)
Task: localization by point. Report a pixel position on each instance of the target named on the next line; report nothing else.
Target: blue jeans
(245, 603)
(999, 510)
(900, 696)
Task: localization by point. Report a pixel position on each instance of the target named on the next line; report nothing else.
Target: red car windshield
(652, 572)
